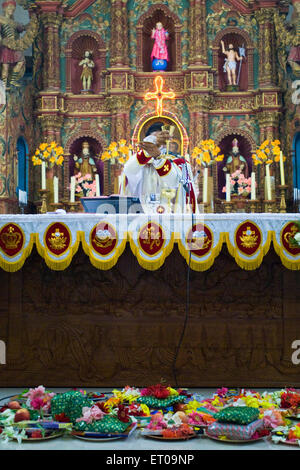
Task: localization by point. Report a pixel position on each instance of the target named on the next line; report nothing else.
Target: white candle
(72, 192)
(282, 178)
(205, 185)
(55, 189)
(253, 188)
(268, 181)
(228, 188)
(43, 175)
(97, 185)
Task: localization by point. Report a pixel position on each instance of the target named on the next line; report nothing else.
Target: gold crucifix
(159, 95)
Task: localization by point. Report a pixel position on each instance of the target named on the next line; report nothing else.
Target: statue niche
(229, 64)
(85, 46)
(86, 158)
(145, 40)
(237, 152)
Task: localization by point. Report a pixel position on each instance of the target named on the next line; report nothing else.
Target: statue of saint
(230, 64)
(85, 164)
(87, 72)
(160, 35)
(235, 161)
(12, 58)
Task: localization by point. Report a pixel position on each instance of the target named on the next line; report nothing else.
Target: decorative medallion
(288, 232)
(151, 238)
(199, 240)
(57, 238)
(248, 238)
(11, 239)
(103, 238)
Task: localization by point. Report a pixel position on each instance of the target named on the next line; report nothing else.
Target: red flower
(3, 408)
(36, 435)
(158, 391)
(102, 406)
(62, 418)
(123, 414)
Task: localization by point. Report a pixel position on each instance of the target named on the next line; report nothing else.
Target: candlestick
(282, 178)
(253, 205)
(270, 205)
(268, 181)
(283, 188)
(253, 186)
(55, 189)
(97, 185)
(228, 188)
(43, 209)
(205, 185)
(228, 206)
(72, 190)
(43, 175)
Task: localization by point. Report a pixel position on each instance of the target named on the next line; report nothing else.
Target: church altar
(151, 237)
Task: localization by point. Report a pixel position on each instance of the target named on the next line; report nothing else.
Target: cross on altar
(159, 95)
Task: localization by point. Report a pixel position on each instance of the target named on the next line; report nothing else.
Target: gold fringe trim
(292, 264)
(251, 263)
(13, 266)
(151, 264)
(197, 264)
(57, 264)
(103, 264)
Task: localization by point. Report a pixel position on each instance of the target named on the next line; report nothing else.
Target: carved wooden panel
(87, 327)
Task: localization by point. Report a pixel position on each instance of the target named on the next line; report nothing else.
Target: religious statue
(159, 55)
(230, 64)
(87, 72)
(150, 172)
(235, 161)
(85, 164)
(12, 58)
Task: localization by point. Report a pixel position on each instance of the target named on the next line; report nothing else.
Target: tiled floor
(135, 441)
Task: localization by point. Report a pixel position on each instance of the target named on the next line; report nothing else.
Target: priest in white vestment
(150, 170)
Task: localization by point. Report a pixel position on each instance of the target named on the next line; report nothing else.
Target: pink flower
(248, 189)
(224, 189)
(35, 392)
(78, 189)
(240, 190)
(91, 414)
(88, 176)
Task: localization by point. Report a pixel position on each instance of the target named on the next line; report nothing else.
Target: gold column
(51, 68)
(119, 33)
(198, 35)
(267, 47)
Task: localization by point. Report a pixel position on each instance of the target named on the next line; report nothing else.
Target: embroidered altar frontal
(152, 238)
(99, 311)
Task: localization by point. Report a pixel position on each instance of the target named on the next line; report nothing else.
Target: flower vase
(239, 202)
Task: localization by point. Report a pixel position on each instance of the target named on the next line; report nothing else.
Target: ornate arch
(249, 49)
(177, 29)
(84, 133)
(167, 114)
(99, 59)
(232, 131)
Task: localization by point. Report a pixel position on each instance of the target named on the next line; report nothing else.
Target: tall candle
(228, 188)
(205, 185)
(253, 188)
(282, 178)
(97, 185)
(55, 189)
(72, 192)
(43, 175)
(268, 181)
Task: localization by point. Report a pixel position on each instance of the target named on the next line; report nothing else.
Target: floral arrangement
(290, 399)
(85, 185)
(117, 152)
(289, 434)
(239, 185)
(267, 153)
(39, 399)
(206, 153)
(159, 391)
(197, 418)
(128, 394)
(51, 154)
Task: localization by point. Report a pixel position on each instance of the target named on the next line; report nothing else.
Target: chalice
(168, 194)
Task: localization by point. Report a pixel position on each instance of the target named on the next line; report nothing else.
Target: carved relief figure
(236, 161)
(12, 58)
(85, 163)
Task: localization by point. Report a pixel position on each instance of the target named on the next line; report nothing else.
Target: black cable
(187, 308)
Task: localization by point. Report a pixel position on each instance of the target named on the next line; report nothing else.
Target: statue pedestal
(232, 88)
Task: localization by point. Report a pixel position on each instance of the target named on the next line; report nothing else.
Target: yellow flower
(122, 142)
(112, 146)
(219, 158)
(43, 146)
(121, 160)
(114, 153)
(277, 158)
(46, 154)
(268, 162)
(37, 152)
(276, 142)
(52, 159)
(267, 150)
(59, 150)
(105, 155)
